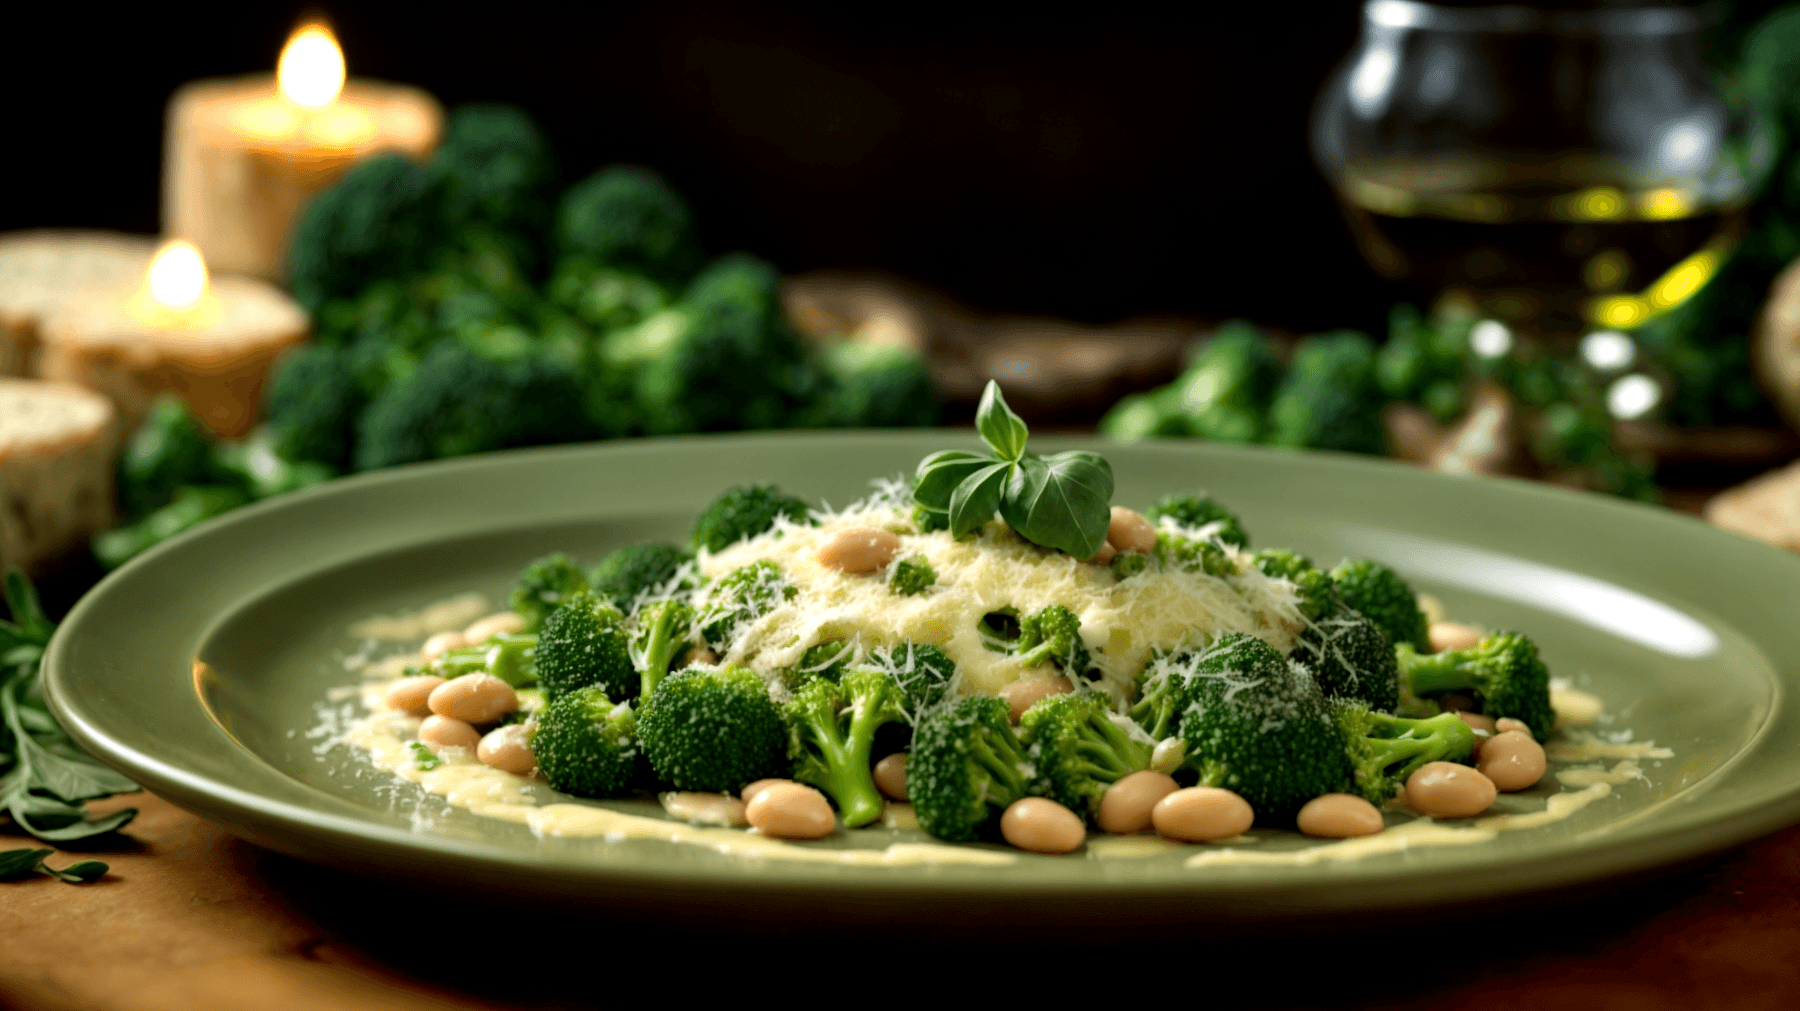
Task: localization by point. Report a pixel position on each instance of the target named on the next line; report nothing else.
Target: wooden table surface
(193, 919)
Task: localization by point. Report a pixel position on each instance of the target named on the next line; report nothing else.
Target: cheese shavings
(1122, 621)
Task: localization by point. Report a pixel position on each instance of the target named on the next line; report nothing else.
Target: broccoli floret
(376, 222)
(1199, 512)
(635, 568)
(587, 745)
(1054, 634)
(912, 576)
(1384, 750)
(1129, 563)
(966, 767)
(583, 642)
(627, 217)
(1328, 399)
(1258, 725)
(1313, 592)
(744, 512)
(825, 660)
(1152, 415)
(922, 672)
(739, 597)
(1351, 658)
(1373, 589)
(457, 402)
(1225, 392)
(312, 404)
(167, 452)
(874, 386)
(1191, 554)
(831, 737)
(511, 658)
(724, 359)
(606, 298)
(253, 463)
(496, 170)
(662, 636)
(545, 585)
(193, 504)
(1162, 694)
(1502, 669)
(713, 729)
(1077, 750)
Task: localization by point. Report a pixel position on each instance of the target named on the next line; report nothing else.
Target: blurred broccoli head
(743, 512)
(628, 218)
(714, 729)
(546, 584)
(1376, 591)
(1152, 415)
(312, 405)
(1225, 391)
(1328, 399)
(376, 222)
(875, 386)
(166, 452)
(458, 402)
(496, 170)
(586, 745)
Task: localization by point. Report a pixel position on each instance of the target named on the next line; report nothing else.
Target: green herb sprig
(1062, 501)
(17, 865)
(44, 776)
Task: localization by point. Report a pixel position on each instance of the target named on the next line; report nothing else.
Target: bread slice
(56, 470)
(1765, 507)
(218, 359)
(41, 270)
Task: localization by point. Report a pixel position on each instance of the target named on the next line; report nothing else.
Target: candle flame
(177, 275)
(311, 71)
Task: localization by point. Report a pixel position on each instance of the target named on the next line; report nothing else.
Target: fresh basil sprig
(17, 865)
(1062, 501)
(44, 776)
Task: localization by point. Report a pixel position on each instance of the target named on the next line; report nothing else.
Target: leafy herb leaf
(16, 865)
(940, 473)
(44, 775)
(19, 863)
(1062, 502)
(977, 498)
(423, 757)
(1000, 428)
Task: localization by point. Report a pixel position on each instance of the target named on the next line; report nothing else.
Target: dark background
(1097, 164)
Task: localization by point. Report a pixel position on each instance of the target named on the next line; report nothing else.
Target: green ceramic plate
(199, 668)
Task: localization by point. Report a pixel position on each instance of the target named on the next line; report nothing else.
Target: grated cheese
(1122, 621)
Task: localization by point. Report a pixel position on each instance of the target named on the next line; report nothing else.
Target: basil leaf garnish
(1062, 501)
(977, 498)
(1000, 428)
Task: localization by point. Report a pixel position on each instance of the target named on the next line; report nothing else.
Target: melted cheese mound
(1122, 621)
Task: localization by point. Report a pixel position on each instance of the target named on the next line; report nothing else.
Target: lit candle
(243, 154)
(210, 339)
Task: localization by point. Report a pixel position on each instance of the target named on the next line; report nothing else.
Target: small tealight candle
(210, 339)
(243, 155)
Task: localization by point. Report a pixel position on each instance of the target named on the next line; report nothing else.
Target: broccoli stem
(848, 777)
(1038, 654)
(662, 649)
(1155, 712)
(1434, 674)
(1002, 768)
